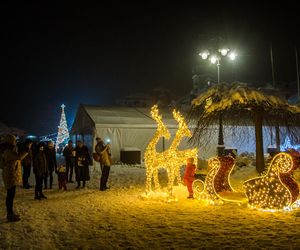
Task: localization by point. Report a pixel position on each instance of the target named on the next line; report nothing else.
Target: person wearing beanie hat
(11, 173)
(10, 139)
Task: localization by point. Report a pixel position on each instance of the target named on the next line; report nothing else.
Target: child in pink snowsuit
(189, 176)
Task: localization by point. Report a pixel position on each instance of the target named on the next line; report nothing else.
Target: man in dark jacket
(40, 169)
(26, 162)
(82, 162)
(68, 153)
(51, 162)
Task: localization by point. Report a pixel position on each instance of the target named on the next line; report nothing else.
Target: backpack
(97, 157)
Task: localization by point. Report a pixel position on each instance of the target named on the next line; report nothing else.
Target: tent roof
(118, 117)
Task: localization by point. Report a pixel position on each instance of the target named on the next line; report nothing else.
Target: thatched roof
(237, 104)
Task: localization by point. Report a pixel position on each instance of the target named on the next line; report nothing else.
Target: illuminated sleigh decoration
(276, 189)
(217, 182)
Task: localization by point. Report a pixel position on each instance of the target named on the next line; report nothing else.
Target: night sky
(63, 52)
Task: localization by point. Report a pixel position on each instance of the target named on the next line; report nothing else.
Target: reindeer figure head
(161, 128)
(182, 126)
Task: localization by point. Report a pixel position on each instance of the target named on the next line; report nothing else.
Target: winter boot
(12, 218)
(43, 196)
(37, 195)
(190, 196)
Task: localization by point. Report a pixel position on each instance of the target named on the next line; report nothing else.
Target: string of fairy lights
(50, 137)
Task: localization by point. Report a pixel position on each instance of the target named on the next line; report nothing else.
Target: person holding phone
(106, 162)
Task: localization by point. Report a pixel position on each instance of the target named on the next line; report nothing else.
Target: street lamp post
(218, 67)
(215, 59)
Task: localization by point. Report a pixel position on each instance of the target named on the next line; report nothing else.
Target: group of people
(80, 159)
(17, 159)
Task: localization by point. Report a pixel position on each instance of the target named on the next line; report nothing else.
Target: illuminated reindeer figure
(172, 158)
(151, 163)
(182, 131)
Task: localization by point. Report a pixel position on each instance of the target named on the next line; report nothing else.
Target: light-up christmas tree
(63, 132)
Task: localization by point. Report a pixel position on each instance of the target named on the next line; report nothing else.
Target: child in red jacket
(189, 176)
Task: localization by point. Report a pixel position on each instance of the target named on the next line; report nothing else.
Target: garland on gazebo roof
(237, 104)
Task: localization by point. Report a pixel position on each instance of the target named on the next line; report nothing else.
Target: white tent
(125, 127)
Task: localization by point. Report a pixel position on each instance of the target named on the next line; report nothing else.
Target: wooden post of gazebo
(220, 147)
(277, 135)
(260, 161)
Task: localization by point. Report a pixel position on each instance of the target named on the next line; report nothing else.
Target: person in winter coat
(82, 162)
(11, 172)
(106, 163)
(189, 176)
(40, 169)
(62, 177)
(68, 153)
(51, 163)
(98, 148)
(26, 162)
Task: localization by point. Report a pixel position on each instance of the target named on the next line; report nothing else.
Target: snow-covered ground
(122, 218)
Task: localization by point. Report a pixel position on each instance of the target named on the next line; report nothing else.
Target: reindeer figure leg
(148, 180)
(178, 177)
(156, 181)
(171, 179)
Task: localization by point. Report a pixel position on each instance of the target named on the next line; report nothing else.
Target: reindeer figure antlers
(182, 126)
(160, 125)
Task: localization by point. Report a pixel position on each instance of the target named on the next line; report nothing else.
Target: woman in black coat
(40, 169)
(82, 162)
(51, 162)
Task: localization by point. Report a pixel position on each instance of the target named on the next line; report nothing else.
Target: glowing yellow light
(172, 158)
(276, 189)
